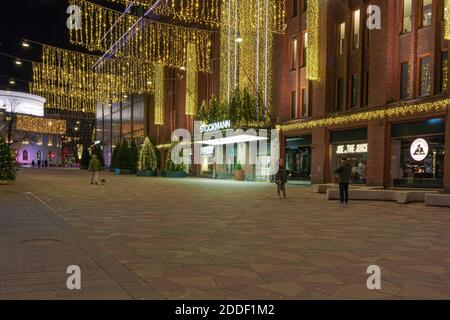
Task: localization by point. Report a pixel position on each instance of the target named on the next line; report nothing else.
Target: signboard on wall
(352, 148)
(419, 149)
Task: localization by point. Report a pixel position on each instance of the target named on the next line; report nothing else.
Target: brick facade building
(380, 91)
(368, 80)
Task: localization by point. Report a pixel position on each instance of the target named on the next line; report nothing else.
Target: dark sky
(37, 20)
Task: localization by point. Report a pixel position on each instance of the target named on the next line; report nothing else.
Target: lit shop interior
(350, 144)
(417, 154)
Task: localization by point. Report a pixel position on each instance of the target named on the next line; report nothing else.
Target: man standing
(344, 171)
(94, 167)
(281, 179)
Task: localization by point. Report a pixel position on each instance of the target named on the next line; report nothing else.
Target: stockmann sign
(215, 126)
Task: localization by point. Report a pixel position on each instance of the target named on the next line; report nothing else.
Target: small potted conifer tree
(115, 158)
(147, 160)
(125, 163)
(239, 174)
(174, 170)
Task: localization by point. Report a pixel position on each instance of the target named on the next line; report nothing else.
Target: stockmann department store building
(234, 153)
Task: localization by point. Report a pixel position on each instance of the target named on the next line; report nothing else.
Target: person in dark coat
(344, 171)
(281, 179)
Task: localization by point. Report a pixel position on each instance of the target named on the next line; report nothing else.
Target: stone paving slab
(207, 239)
(37, 246)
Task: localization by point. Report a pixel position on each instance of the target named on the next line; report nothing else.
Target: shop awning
(232, 140)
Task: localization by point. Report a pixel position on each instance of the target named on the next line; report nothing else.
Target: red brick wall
(319, 160)
(377, 141)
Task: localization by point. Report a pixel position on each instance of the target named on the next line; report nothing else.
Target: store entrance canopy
(232, 140)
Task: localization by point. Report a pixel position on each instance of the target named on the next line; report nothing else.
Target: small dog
(103, 181)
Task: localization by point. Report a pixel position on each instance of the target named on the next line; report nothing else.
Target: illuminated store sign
(419, 149)
(352, 148)
(216, 126)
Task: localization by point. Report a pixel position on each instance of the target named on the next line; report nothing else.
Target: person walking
(33, 164)
(344, 171)
(46, 163)
(94, 167)
(281, 179)
(39, 163)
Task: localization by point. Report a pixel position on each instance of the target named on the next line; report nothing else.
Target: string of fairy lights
(40, 125)
(246, 41)
(151, 41)
(312, 42)
(380, 114)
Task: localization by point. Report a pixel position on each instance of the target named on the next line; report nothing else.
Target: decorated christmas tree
(7, 163)
(147, 156)
(115, 156)
(125, 162)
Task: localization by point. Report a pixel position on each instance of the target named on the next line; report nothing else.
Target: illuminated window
(356, 27)
(294, 58)
(341, 38)
(444, 71)
(25, 156)
(404, 81)
(425, 76)
(427, 12)
(407, 12)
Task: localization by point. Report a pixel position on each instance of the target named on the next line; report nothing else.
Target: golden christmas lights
(246, 42)
(201, 12)
(191, 82)
(150, 40)
(312, 43)
(40, 125)
(68, 80)
(159, 94)
(399, 111)
(447, 19)
(207, 12)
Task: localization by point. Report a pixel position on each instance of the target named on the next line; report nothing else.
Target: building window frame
(294, 53)
(340, 95)
(294, 105)
(430, 77)
(407, 17)
(425, 22)
(341, 38)
(405, 92)
(356, 29)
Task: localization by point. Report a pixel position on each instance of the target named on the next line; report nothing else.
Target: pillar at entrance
(377, 153)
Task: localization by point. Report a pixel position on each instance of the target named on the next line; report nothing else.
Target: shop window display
(356, 154)
(418, 162)
(298, 164)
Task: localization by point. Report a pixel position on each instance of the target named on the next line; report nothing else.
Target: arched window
(25, 155)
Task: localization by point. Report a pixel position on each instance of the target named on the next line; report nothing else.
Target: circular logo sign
(419, 150)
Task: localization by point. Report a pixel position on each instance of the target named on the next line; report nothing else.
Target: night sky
(37, 20)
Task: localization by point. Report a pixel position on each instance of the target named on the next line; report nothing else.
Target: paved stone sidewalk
(208, 239)
(36, 247)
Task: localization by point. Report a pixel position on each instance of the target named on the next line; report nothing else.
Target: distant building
(30, 134)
